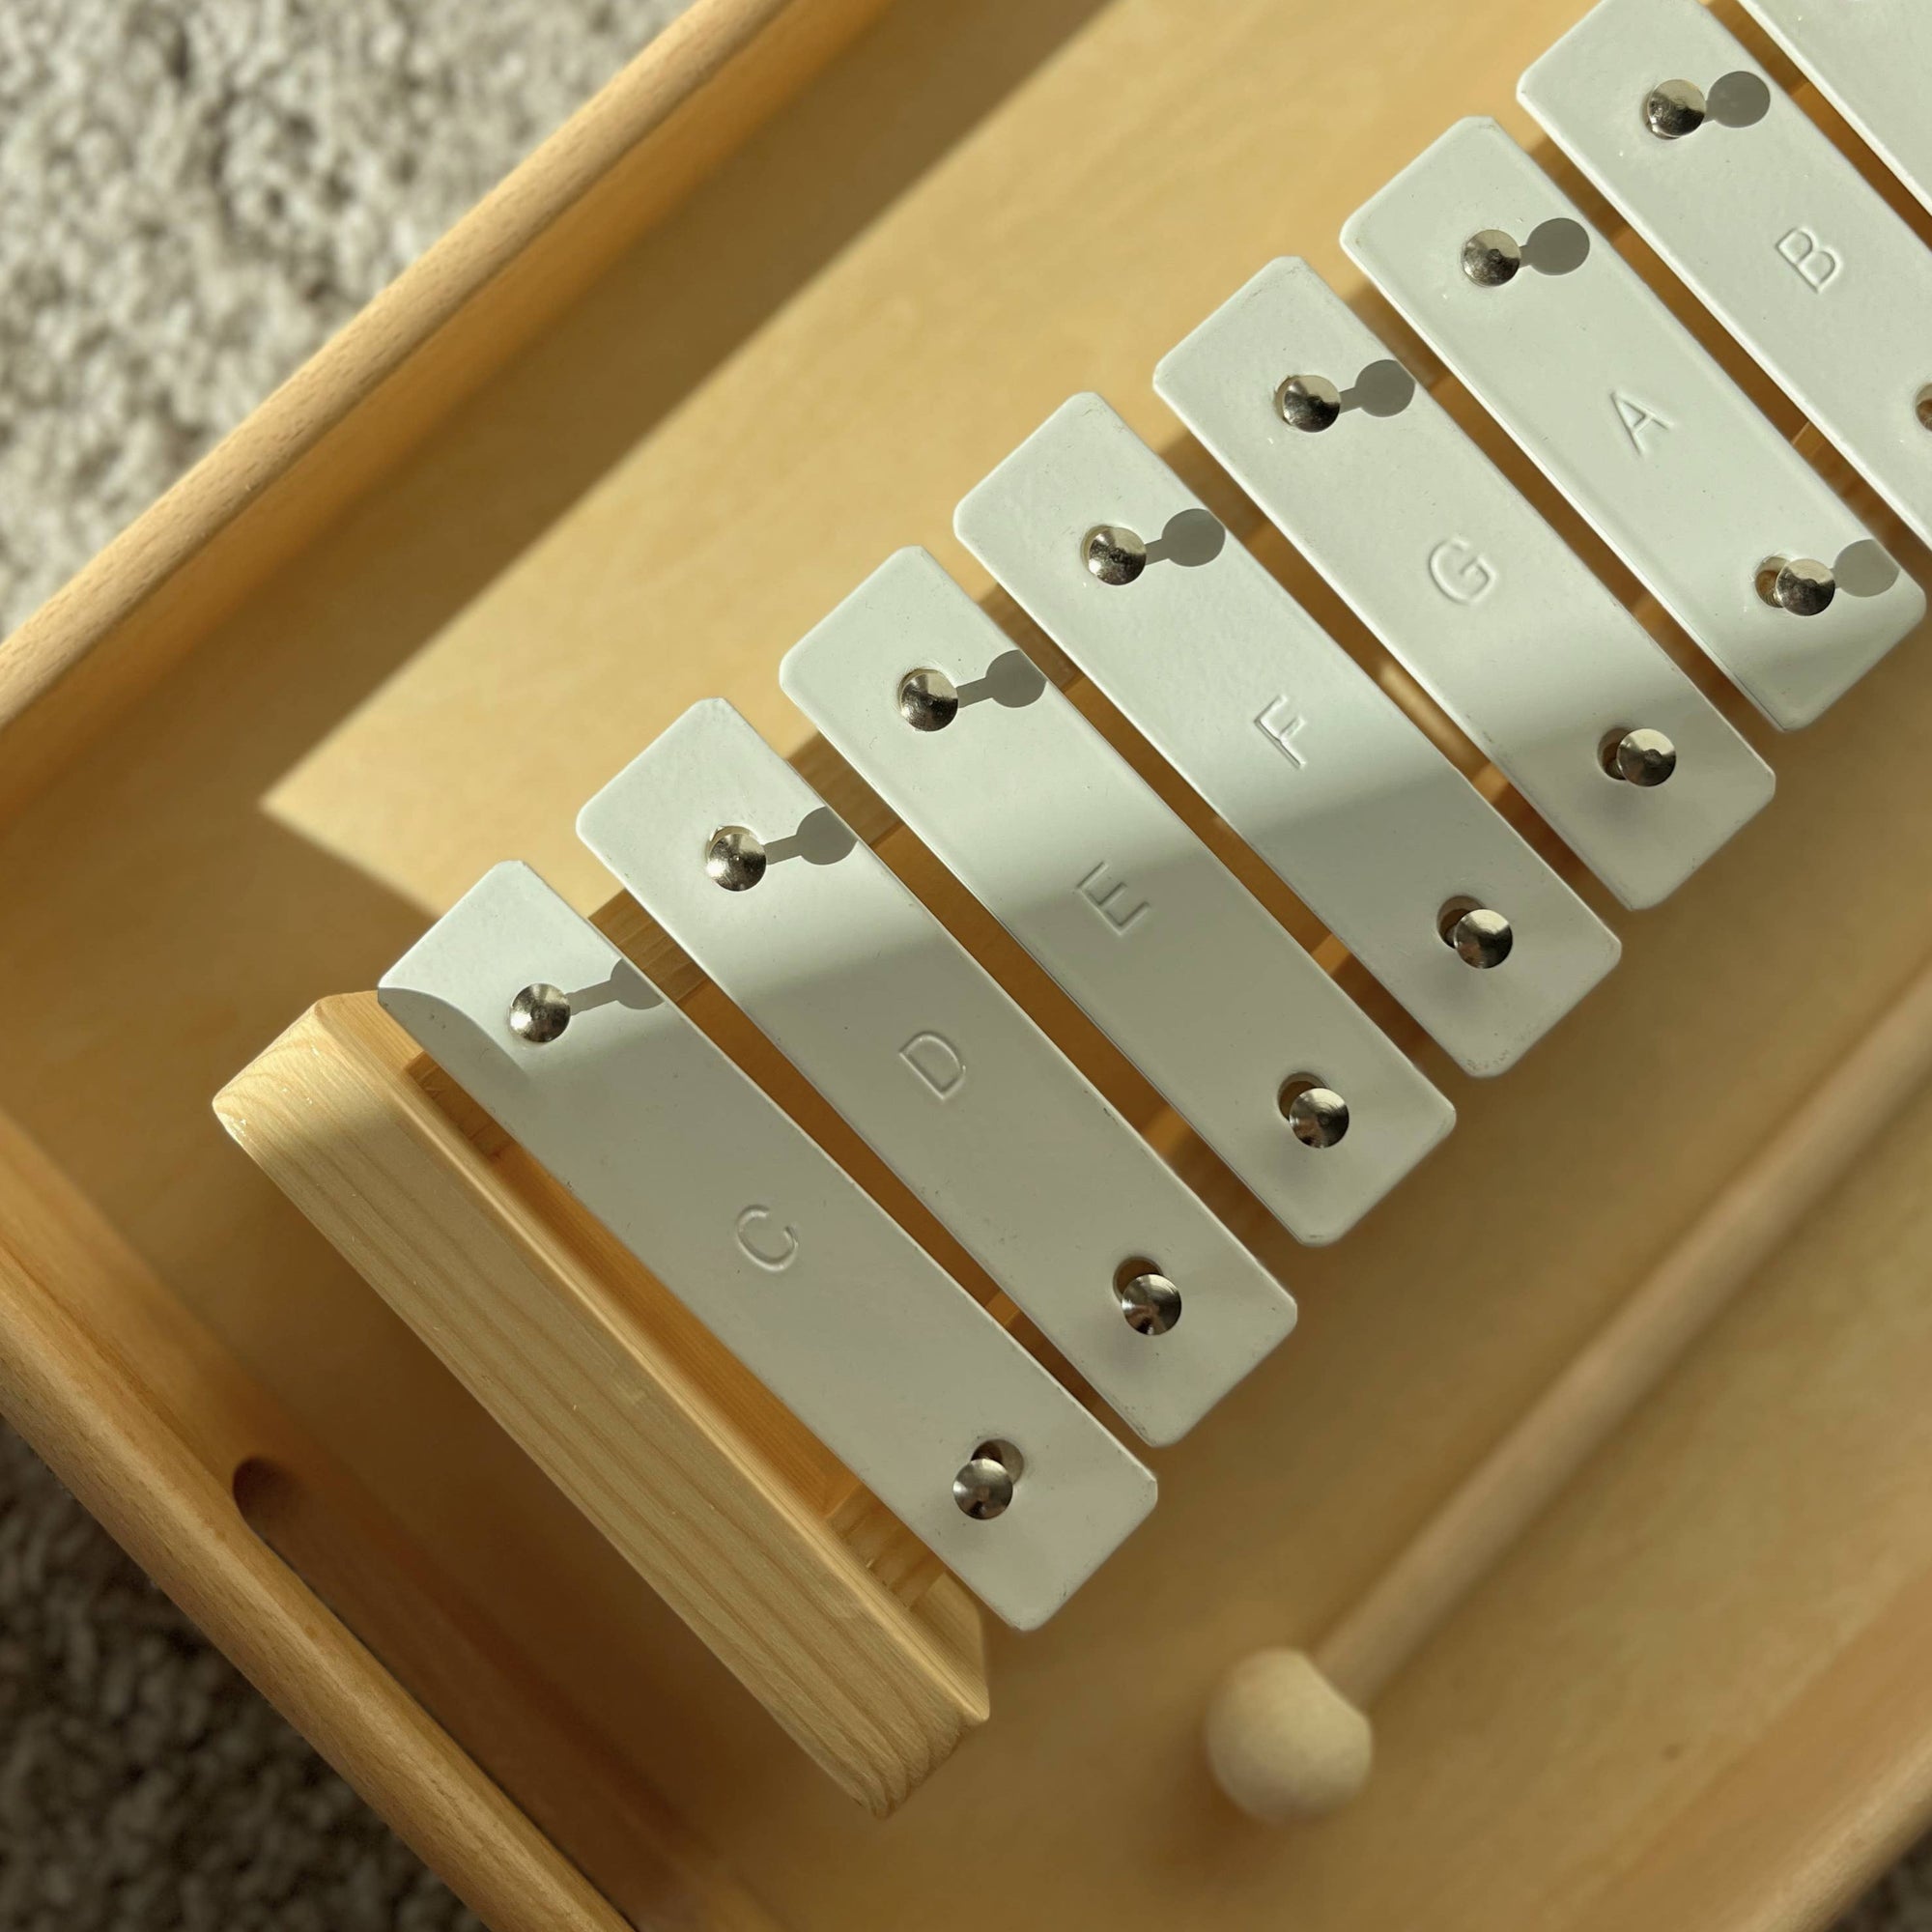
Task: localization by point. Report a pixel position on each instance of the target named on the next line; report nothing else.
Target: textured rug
(193, 194)
(198, 192)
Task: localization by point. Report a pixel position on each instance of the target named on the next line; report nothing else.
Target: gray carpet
(193, 194)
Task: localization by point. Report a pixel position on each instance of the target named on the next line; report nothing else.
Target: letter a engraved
(1636, 419)
(1108, 899)
(937, 1062)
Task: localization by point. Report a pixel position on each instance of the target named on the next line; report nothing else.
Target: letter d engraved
(937, 1062)
(1109, 901)
(1809, 256)
(774, 1251)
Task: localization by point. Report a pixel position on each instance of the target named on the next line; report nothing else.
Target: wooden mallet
(1287, 1732)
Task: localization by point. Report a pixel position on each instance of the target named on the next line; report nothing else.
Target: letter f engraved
(1279, 723)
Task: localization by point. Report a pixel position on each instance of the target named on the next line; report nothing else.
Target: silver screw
(928, 700)
(1477, 936)
(1490, 258)
(1799, 585)
(1114, 554)
(1308, 402)
(983, 1488)
(735, 859)
(1150, 1302)
(1641, 757)
(539, 1013)
(1317, 1115)
(1674, 108)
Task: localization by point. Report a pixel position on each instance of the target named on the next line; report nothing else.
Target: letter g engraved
(1461, 572)
(755, 1238)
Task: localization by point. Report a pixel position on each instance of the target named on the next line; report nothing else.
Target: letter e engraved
(773, 1249)
(1809, 256)
(1461, 571)
(1279, 723)
(1637, 419)
(1110, 901)
(937, 1062)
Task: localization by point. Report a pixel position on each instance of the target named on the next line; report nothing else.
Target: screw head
(1921, 407)
(1491, 257)
(983, 1488)
(1799, 584)
(1642, 757)
(928, 700)
(1316, 1114)
(539, 1013)
(1308, 403)
(735, 859)
(1675, 108)
(1477, 936)
(1114, 554)
(1149, 1302)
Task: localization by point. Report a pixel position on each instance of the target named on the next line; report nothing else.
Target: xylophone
(904, 1238)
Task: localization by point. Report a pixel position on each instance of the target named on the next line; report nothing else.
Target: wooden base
(210, 1486)
(798, 1581)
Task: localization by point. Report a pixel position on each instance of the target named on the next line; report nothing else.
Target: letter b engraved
(1114, 902)
(1461, 571)
(937, 1062)
(773, 1248)
(1809, 256)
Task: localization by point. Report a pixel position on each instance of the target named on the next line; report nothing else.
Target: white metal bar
(1114, 896)
(1485, 606)
(1285, 735)
(1051, 1190)
(1780, 236)
(1625, 413)
(1870, 58)
(822, 1296)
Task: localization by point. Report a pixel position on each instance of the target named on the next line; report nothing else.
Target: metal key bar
(1272, 1064)
(742, 1216)
(1286, 737)
(1870, 58)
(1054, 1193)
(1776, 231)
(1487, 607)
(1733, 532)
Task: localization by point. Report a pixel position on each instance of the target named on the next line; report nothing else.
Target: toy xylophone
(975, 1427)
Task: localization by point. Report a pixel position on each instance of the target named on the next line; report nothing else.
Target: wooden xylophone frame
(179, 1407)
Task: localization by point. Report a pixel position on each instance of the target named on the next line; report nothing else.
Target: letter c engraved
(1461, 572)
(937, 1062)
(755, 1238)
